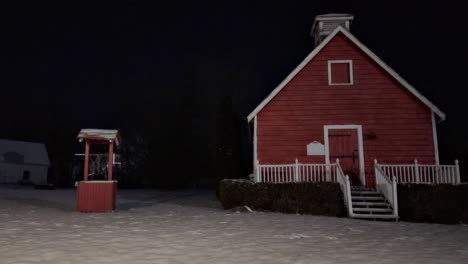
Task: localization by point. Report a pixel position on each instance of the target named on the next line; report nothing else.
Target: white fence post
(296, 172)
(395, 196)
(376, 163)
(258, 171)
(457, 172)
(349, 197)
(336, 169)
(375, 173)
(416, 171)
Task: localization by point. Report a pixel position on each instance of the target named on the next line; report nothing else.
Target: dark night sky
(122, 66)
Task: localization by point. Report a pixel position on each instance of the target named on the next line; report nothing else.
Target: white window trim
(351, 79)
(362, 172)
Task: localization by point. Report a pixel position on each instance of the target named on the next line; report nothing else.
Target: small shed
(26, 162)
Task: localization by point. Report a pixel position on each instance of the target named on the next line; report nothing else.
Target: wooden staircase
(370, 204)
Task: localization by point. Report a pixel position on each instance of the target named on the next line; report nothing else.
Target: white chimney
(325, 24)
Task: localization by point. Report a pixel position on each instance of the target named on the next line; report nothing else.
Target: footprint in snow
(194, 233)
(233, 234)
(355, 230)
(139, 230)
(293, 236)
(166, 235)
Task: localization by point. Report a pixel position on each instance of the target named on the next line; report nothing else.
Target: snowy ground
(38, 226)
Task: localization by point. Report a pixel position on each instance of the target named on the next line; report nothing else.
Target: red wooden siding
(93, 196)
(340, 73)
(402, 125)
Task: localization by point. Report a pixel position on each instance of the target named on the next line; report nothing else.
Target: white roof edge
(366, 50)
(395, 75)
(292, 75)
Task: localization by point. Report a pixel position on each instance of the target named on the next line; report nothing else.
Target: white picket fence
(296, 172)
(423, 173)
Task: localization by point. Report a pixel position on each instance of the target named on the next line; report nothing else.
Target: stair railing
(387, 187)
(345, 186)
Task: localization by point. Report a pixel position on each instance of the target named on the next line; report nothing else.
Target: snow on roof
(33, 153)
(367, 51)
(100, 134)
(330, 15)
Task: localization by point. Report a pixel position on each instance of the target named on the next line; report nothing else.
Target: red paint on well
(401, 123)
(86, 162)
(110, 163)
(96, 196)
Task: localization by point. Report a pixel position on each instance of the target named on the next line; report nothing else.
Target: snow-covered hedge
(302, 198)
(445, 204)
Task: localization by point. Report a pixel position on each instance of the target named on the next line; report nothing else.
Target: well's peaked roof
(350, 36)
(30, 152)
(100, 134)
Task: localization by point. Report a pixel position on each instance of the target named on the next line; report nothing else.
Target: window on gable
(340, 72)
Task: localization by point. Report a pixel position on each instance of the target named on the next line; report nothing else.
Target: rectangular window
(340, 72)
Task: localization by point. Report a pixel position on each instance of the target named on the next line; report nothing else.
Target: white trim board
(362, 173)
(434, 135)
(372, 55)
(255, 158)
(351, 79)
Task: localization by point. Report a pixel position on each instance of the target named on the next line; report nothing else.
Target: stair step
(370, 216)
(363, 189)
(367, 198)
(373, 210)
(370, 204)
(365, 193)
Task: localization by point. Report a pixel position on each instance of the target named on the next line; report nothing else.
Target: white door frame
(362, 174)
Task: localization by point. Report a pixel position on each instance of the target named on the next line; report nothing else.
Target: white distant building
(23, 161)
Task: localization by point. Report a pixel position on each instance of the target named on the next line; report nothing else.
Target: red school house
(345, 116)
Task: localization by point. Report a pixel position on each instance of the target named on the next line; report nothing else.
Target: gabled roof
(30, 152)
(100, 134)
(372, 55)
